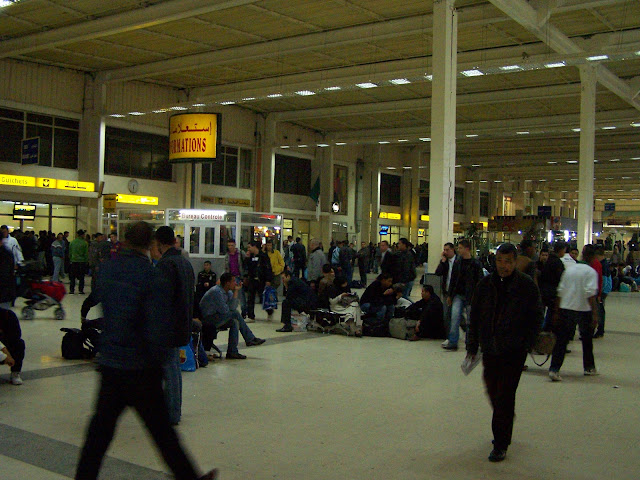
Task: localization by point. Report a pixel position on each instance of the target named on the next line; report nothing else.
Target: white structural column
(443, 129)
(587, 153)
(266, 167)
(91, 147)
(416, 156)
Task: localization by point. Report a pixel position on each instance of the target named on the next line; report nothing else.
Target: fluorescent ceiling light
(116, 115)
(429, 77)
(511, 68)
(458, 166)
(284, 146)
(341, 143)
(400, 81)
(227, 102)
(403, 140)
(383, 142)
(497, 181)
(162, 110)
(323, 144)
(178, 109)
(274, 95)
(572, 161)
(559, 179)
(136, 114)
(483, 181)
(609, 178)
(304, 145)
(475, 165)
(597, 57)
(522, 133)
(555, 65)
(472, 73)
(614, 160)
(619, 190)
(635, 158)
(391, 168)
(575, 129)
(542, 180)
(574, 179)
(425, 139)
(625, 178)
(609, 128)
(305, 93)
(248, 99)
(638, 53)
(199, 105)
(552, 163)
(471, 135)
(635, 124)
(366, 85)
(333, 89)
(407, 168)
(468, 181)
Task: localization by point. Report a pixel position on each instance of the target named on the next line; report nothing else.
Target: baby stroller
(40, 294)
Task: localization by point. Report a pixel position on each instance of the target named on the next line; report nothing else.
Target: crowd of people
(153, 300)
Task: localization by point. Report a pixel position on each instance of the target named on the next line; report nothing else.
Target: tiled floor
(331, 407)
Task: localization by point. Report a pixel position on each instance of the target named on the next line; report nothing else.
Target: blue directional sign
(609, 207)
(30, 151)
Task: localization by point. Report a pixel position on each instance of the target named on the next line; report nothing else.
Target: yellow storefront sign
(421, 232)
(424, 218)
(136, 199)
(46, 182)
(390, 215)
(193, 136)
(17, 181)
(77, 186)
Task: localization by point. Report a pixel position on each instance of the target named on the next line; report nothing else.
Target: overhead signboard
(391, 215)
(46, 182)
(384, 229)
(236, 202)
(194, 137)
(421, 232)
(109, 203)
(218, 215)
(77, 186)
(17, 181)
(31, 151)
(609, 207)
(424, 218)
(136, 199)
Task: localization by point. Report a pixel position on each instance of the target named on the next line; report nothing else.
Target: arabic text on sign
(193, 136)
(79, 186)
(137, 199)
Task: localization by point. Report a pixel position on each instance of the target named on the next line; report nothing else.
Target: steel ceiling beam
(158, 14)
(528, 17)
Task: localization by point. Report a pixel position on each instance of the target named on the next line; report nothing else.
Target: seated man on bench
(219, 308)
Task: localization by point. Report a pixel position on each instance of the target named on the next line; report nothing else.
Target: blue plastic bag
(187, 359)
(269, 298)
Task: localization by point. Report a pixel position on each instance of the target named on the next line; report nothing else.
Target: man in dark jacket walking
(506, 314)
(465, 275)
(259, 274)
(406, 270)
(549, 280)
(299, 253)
(179, 273)
(135, 343)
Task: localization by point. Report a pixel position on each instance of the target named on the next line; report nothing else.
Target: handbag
(545, 342)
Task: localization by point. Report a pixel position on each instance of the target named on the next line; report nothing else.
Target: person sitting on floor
(342, 301)
(11, 344)
(401, 300)
(219, 309)
(328, 275)
(299, 297)
(430, 314)
(379, 299)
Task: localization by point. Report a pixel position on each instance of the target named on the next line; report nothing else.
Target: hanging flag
(315, 190)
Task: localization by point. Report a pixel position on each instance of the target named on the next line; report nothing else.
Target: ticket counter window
(194, 240)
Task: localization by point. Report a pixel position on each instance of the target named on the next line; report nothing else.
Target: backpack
(76, 345)
(402, 328)
(269, 298)
(335, 256)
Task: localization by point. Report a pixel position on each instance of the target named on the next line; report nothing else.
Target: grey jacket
(179, 272)
(316, 260)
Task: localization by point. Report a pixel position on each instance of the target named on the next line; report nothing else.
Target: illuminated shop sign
(136, 199)
(42, 182)
(194, 137)
(391, 216)
(17, 181)
(218, 215)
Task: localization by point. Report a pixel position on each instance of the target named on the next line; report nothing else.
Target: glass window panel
(209, 240)
(64, 210)
(140, 160)
(178, 230)
(231, 172)
(206, 173)
(484, 204)
(14, 114)
(35, 118)
(458, 200)
(217, 172)
(63, 225)
(11, 150)
(194, 240)
(117, 157)
(226, 233)
(46, 138)
(246, 162)
(66, 123)
(390, 189)
(65, 153)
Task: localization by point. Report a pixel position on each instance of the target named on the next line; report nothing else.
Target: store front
(52, 217)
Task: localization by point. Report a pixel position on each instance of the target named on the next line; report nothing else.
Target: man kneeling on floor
(300, 297)
(219, 308)
(430, 315)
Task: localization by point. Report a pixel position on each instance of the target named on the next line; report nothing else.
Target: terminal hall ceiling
(359, 71)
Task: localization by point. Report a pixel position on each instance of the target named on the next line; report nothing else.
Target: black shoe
(212, 475)
(81, 293)
(452, 348)
(286, 328)
(497, 455)
(235, 356)
(255, 342)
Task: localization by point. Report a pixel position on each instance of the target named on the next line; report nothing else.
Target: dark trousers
(89, 302)
(363, 275)
(11, 337)
(601, 315)
(567, 325)
(298, 269)
(142, 390)
(77, 271)
(288, 306)
(253, 287)
(501, 377)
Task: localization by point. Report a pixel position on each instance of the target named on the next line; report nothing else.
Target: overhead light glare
(554, 65)
(199, 105)
(248, 99)
(472, 73)
(425, 139)
(471, 135)
(609, 128)
(400, 81)
(366, 85)
(333, 89)
(523, 133)
(305, 93)
(341, 143)
(136, 114)
(595, 58)
(274, 95)
(497, 181)
(322, 145)
(511, 68)
(383, 142)
(575, 129)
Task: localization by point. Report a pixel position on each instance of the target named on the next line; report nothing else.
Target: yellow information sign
(391, 216)
(46, 182)
(193, 136)
(77, 186)
(109, 203)
(136, 199)
(421, 232)
(424, 218)
(17, 181)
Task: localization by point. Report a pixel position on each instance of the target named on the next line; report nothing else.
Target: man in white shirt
(567, 259)
(11, 244)
(577, 301)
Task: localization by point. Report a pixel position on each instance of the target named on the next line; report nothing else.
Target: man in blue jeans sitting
(379, 298)
(219, 308)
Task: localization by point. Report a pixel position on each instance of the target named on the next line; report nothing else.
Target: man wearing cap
(79, 257)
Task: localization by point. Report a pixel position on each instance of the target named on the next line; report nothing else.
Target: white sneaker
(15, 378)
(555, 376)
(445, 343)
(591, 372)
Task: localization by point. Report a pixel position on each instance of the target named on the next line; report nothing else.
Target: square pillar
(587, 153)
